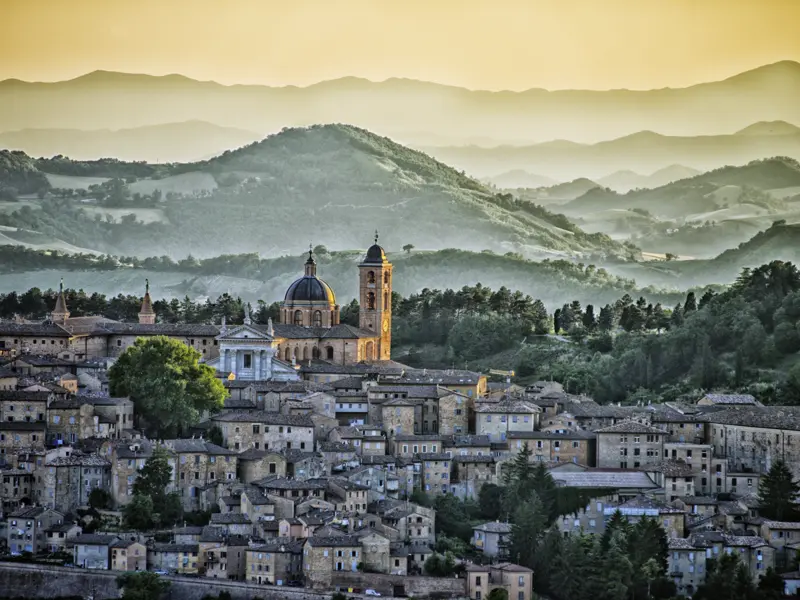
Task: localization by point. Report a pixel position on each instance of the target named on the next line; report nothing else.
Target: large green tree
(170, 388)
(150, 495)
(142, 585)
(778, 492)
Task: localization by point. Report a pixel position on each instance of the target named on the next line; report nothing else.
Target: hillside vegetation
(256, 278)
(322, 184)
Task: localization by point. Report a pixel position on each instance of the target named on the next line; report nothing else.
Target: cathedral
(309, 329)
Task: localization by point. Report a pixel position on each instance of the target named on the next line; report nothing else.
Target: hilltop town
(329, 465)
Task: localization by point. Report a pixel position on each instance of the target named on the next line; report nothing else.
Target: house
(59, 537)
(276, 562)
(66, 482)
(435, 472)
(174, 558)
(233, 523)
(222, 556)
(629, 444)
(128, 555)
(16, 487)
(686, 565)
(257, 464)
(562, 445)
(516, 580)
(93, 551)
(498, 419)
(198, 464)
(27, 528)
(491, 538)
(324, 555)
(242, 430)
(780, 533)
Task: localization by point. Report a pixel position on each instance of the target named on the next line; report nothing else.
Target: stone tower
(147, 316)
(60, 312)
(375, 299)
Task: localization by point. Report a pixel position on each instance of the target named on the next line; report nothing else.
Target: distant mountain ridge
(399, 107)
(641, 152)
(169, 142)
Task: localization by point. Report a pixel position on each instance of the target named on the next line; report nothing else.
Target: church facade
(309, 329)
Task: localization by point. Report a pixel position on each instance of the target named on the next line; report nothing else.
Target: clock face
(386, 325)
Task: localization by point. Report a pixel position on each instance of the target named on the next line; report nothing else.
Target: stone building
(435, 472)
(556, 446)
(19, 435)
(27, 526)
(128, 555)
(16, 487)
(686, 565)
(24, 406)
(397, 416)
(198, 464)
(276, 562)
(516, 580)
(65, 483)
(127, 457)
(322, 556)
(242, 430)
(93, 551)
(629, 444)
(498, 419)
(491, 538)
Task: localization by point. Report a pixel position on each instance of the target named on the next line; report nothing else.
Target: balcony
(676, 574)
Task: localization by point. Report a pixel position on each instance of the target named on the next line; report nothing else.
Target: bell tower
(375, 298)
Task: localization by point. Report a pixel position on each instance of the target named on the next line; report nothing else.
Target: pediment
(242, 332)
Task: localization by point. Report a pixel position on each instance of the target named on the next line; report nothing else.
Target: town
(326, 463)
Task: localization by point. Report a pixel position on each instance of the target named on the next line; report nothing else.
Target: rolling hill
(170, 142)
(331, 185)
(641, 152)
(401, 108)
(624, 181)
(520, 178)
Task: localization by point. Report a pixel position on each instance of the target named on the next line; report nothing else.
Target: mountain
(623, 181)
(401, 107)
(566, 191)
(699, 194)
(519, 178)
(168, 142)
(770, 128)
(641, 152)
(331, 185)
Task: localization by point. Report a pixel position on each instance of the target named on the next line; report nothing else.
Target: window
(298, 320)
(248, 360)
(256, 428)
(317, 318)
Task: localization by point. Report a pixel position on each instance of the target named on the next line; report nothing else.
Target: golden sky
(485, 44)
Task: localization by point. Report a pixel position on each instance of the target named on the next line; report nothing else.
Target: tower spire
(60, 312)
(376, 236)
(311, 264)
(147, 316)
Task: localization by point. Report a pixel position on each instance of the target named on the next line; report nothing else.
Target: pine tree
(617, 570)
(530, 523)
(606, 320)
(589, 321)
(557, 321)
(676, 319)
(690, 305)
(778, 492)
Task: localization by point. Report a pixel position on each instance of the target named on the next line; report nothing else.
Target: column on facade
(234, 361)
(257, 364)
(268, 365)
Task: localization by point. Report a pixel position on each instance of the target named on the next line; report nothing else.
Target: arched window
(287, 355)
(370, 300)
(305, 353)
(386, 304)
(315, 352)
(317, 318)
(369, 350)
(386, 278)
(329, 352)
(298, 317)
(371, 277)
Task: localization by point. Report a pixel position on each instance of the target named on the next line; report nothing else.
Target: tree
(530, 523)
(138, 513)
(589, 321)
(152, 482)
(771, 585)
(169, 387)
(408, 248)
(557, 321)
(778, 493)
(99, 498)
(498, 594)
(490, 500)
(690, 305)
(606, 320)
(142, 585)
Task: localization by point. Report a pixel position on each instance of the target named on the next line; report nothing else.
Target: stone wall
(388, 585)
(42, 581)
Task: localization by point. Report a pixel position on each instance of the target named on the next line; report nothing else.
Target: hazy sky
(492, 44)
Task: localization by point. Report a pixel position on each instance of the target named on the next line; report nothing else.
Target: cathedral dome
(310, 288)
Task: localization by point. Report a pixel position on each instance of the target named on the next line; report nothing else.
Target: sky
(478, 44)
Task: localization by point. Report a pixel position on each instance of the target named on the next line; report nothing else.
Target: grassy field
(13, 236)
(74, 182)
(186, 183)
(146, 215)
